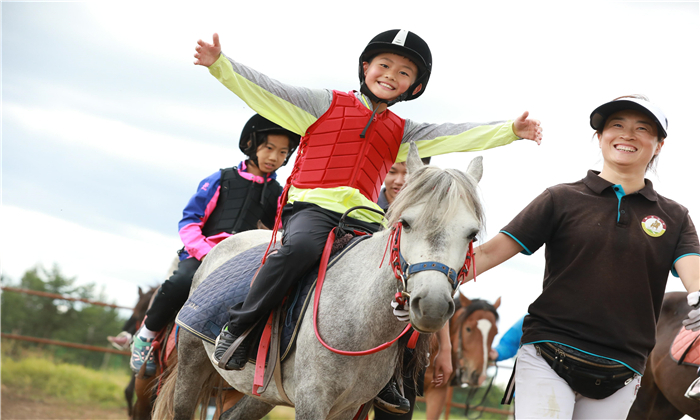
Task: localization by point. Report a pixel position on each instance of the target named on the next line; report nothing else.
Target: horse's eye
(469, 329)
(472, 236)
(405, 224)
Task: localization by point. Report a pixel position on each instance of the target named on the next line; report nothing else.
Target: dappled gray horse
(438, 214)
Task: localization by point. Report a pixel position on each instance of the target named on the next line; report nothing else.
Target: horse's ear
(476, 168)
(413, 162)
(140, 292)
(497, 303)
(465, 301)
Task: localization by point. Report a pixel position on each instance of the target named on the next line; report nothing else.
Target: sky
(108, 127)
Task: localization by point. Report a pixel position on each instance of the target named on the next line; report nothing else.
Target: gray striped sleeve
(314, 101)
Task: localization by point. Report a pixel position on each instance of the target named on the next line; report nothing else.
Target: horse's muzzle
(430, 311)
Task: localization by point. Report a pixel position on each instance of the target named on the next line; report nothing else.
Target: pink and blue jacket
(248, 192)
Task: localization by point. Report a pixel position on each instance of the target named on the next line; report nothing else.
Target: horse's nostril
(450, 309)
(415, 306)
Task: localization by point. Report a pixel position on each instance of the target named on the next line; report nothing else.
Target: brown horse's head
(134, 322)
(472, 330)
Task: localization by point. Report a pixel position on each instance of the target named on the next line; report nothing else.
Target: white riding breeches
(541, 394)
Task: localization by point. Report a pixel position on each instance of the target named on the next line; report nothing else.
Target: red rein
(395, 242)
(317, 294)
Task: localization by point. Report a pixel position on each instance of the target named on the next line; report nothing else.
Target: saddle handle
(343, 227)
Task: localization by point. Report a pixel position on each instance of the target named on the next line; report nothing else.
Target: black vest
(241, 204)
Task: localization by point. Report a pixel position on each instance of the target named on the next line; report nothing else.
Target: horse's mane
(442, 189)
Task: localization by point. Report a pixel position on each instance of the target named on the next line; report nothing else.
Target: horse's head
(437, 215)
(472, 330)
(122, 340)
(134, 322)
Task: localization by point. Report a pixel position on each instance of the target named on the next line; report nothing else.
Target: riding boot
(238, 359)
(390, 399)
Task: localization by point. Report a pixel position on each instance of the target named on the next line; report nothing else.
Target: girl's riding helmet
(250, 140)
(406, 44)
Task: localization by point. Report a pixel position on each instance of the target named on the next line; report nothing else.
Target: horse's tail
(164, 407)
(212, 388)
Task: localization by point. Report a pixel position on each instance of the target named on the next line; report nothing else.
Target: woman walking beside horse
(611, 240)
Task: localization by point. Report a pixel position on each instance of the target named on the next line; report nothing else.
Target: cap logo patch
(400, 38)
(653, 226)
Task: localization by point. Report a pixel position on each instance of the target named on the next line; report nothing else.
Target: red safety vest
(332, 153)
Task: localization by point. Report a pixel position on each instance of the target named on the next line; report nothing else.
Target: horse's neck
(358, 284)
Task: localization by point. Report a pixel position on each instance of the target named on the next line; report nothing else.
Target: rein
(317, 294)
(402, 271)
(472, 393)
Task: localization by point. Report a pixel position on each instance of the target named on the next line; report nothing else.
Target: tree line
(59, 319)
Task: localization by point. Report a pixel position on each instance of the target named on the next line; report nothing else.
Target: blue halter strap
(403, 270)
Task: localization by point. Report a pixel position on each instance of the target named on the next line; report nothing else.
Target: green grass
(33, 374)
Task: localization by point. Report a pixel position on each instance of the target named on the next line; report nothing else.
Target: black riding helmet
(406, 44)
(255, 133)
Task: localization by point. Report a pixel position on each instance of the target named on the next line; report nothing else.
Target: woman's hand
(443, 367)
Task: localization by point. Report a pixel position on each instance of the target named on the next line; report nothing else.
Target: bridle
(468, 310)
(403, 269)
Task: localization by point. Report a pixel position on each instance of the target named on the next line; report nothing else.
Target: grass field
(35, 386)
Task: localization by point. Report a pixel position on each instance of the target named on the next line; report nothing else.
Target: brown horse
(146, 387)
(122, 340)
(472, 330)
(661, 395)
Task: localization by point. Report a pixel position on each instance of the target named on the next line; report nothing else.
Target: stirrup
(693, 395)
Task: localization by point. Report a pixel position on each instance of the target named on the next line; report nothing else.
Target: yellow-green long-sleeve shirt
(297, 108)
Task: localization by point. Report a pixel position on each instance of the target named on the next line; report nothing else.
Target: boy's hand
(207, 54)
(527, 128)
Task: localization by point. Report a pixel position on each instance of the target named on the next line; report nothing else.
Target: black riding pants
(306, 229)
(172, 295)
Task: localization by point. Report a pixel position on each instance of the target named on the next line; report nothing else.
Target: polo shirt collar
(598, 185)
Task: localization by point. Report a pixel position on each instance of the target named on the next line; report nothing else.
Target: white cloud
(120, 260)
(77, 129)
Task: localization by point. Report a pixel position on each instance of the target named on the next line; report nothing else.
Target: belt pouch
(591, 376)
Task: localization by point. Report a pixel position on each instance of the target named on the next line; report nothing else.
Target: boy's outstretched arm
(528, 129)
(207, 54)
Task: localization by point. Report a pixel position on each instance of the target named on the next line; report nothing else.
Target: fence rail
(56, 342)
(64, 344)
(56, 296)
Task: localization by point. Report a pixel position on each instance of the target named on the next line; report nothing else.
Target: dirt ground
(14, 406)
(18, 407)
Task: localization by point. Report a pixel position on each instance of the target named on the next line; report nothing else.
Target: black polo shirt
(608, 256)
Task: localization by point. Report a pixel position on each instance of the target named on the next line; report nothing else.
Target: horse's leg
(225, 401)
(143, 387)
(435, 402)
(194, 368)
(129, 394)
(248, 408)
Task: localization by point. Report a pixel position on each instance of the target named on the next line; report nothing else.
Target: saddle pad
(206, 311)
(683, 340)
